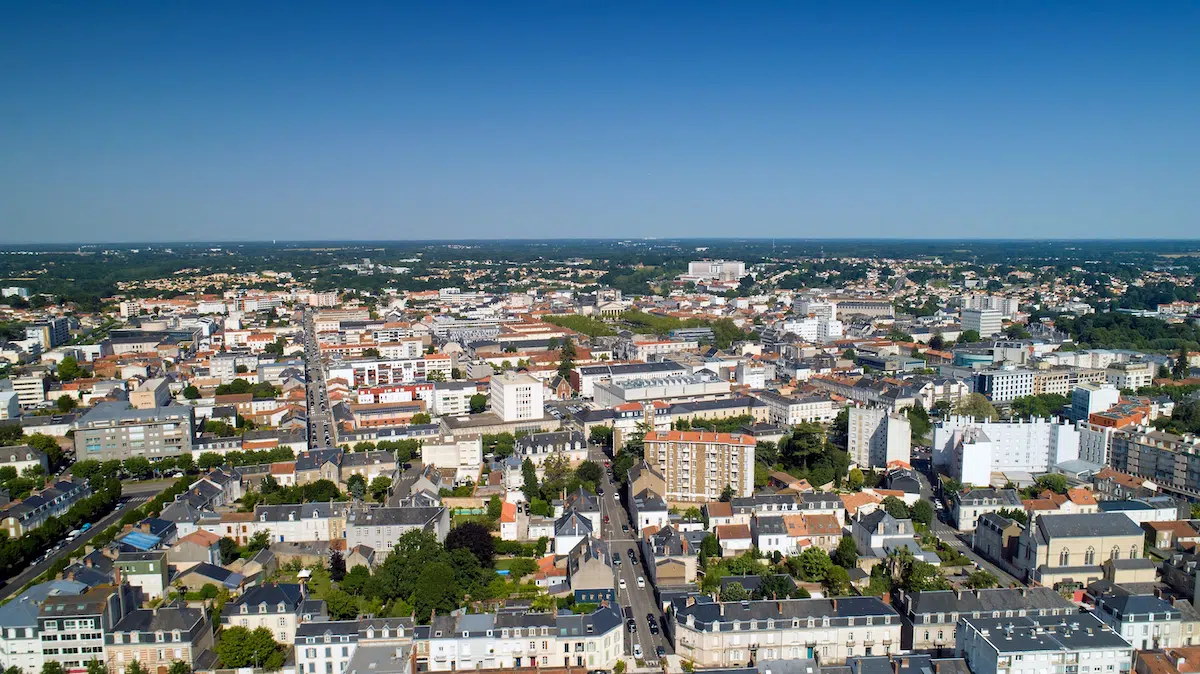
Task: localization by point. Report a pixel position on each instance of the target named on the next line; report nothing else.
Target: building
(152, 393)
(734, 634)
(570, 446)
(700, 386)
(379, 528)
(464, 454)
(10, 405)
(156, 637)
(1037, 643)
(931, 618)
(1089, 398)
(1172, 462)
(986, 322)
(279, 607)
(452, 398)
(1146, 621)
(1007, 306)
(584, 379)
(716, 270)
(18, 519)
(1130, 376)
(50, 333)
(325, 647)
(789, 411)
(697, 465)
(72, 627)
(971, 450)
(1004, 385)
(877, 437)
(30, 389)
(517, 397)
(146, 571)
(115, 430)
(20, 457)
(20, 641)
(966, 508)
(1070, 548)
(590, 572)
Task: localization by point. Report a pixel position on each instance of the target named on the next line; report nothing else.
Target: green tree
(734, 592)
(138, 467)
(727, 494)
(95, 666)
(475, 538)
(1054, 482)
(436, 590)
(977, 405)
(191, 392)
(435, 376)
(589, 471)
(846, 554)
(896, 508)
(135, 667)
(1163, 372)
(837, 582)
(495, 508)
(922, 512)
(239, 647)
(981, 580)
(379, 488)
(229, 549)
(1180, 368)
(922, 577)
(420, 418)
(918, 421)
(337, 566)
(69, 369)
(968, 337)
(179, 667)
(937, 342)
(341, 605)
(855, 480)
(529, 486)
(66, 403)
(370, 352)
(258, 542)
(52, 667)
(1015, 514)
(356, 485)
(601, 435)
(813, 563)
(478, 403)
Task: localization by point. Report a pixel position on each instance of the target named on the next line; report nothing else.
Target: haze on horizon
(317, 121)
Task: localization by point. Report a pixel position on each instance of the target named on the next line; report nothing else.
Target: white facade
(877, 437)
(516, 397)
(986, 322)
(789, 411)
(1032, 644)
(452, 398)
(405, 348)
(464, 454)
(1131, 376)
(1007, 306)
(10, 405)
(751, 374)
(717, 270)
(325, 647)
(381, 372)
(1004, 385)
(815, 328)
(1095, 442)
(1089, 398)
(972, 450)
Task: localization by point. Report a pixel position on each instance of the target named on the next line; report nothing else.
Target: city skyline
(315, 123)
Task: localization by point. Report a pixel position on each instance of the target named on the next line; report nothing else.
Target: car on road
(616, 561)
(606, 519)
(624, 528)
(622, 584)
(631, 624)
(637, 651)
(660, 652)
(641, 583)
(599, 491)
(632, 556)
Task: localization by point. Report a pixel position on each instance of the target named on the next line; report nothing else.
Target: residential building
(452, 398)
(970, 450)
(1146, 621)
(1004, 385)
(73, 627)
(698, 465)
(670, 557)
(789, 411)
(1130, 376)
(584, 378)
(997, 645)
(463, 454)
(1070, 548)
(590, 572)
(877, 534)
(734, 634)
(279, 607)
(10, 405)
(986, 322)
(700, 386)
(648, 511)
(19, 518)
(1006, 306)
(152, 393)
(931, 618)
(20, 641)
(50, 333)
(517, 397)
(325, 647)
(20, 457)
(146, 571)
(115, 430)
(379, 528)
(30, 389)
(877, 437)
(716, 270)
(966, 508)
(156, 637)
(1172, 462)
(1089, 398)
(569, 446)
(1109, 484)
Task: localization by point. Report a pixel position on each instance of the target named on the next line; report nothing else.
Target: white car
(637, 651)
(641, 583)
(622, 584)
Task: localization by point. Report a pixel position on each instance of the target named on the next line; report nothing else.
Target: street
(134, 494)
(320, 430)
(641, 601)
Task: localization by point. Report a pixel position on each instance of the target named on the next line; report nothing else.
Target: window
(1116, 553)
(1064, 557)
(1089, 557)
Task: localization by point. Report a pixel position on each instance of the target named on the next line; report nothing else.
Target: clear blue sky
(258, 120)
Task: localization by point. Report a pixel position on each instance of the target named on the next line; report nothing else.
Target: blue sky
(260, 120)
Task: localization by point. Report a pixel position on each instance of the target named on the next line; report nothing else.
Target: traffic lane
(12, 585)
(640, 600)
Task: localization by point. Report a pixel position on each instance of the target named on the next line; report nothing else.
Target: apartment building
(644, 349)
(50, 333)
(516, 397)
(152, 393)
(513, 639)
(1146, 621)
(387, 371)
(20, 457)
(462, 453)
(966, 508)
(986, 322)
(877, 437)
(735, 634)
(279, 607)
(931, 618)
(156, 637)
(1089, 398)
(716, 270)
(18, 519)
(700, 386)
(1004, 385)
(789, 411)
(30, 389)
(971, 450)
(1006, 306)
(325, 647)
(379, 528)
(697, 466)
(583, 379)
(1064, 380)
(1171, 461)
(115, 430)
(452, 398)
(72, 627)
(1078, 643)
(1130, 376)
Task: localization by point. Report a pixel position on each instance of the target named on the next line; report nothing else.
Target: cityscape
(599, 338)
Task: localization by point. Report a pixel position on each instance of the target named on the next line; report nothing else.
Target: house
(198, 575)
(1168, 535)
(822, 531)
(570, 446)
(22, 457)
(83, 620)
(1070, 548)
(569, 530)
(325, 647)
(509, 522)
(993, 644)
(648, 509)
(823, 503)
(369, 465)
(733, 538)
(719, 513)
(877, 534)
(361, 555)
(198, 546)
(20, 640)
(379, 527)
(144, 570)
(1076, 501)
(670, 558)
(966, 507)
(318, 464)
(279, 607)
(590, 571)
(156, 637)
(586, 504)
(1146, 621)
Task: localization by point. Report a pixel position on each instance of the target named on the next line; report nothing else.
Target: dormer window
(281, 608)
(245, 609)
(175, 635)
(371, 632)
(262, 608)
(158, 637)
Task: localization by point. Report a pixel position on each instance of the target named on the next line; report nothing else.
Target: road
(642, 601)
(320, 426)
(133, 495)
(959, 541)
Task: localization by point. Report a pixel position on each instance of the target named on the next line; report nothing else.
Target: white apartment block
(971, 450)
(1089, 398)
(404, 348)
(517, 397)
(325, 647)
(463, 453)
(1004, 385)
(10, 405)
(1131, 376)
(788, 411)
(381, 372)
(986, 322)
(517, 639)
(752, 374)
(1095, 442)
(452, 398)
(697, 465)
(1034, 644)
(30, 389)
(1007, 306)
(877, 437)
(717, 270)
(815, 328)
(647, 350)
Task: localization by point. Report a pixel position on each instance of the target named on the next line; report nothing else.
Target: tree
(379, 488)
(66, 403)
(179, 667)
(937, 342)
(619, 667)
(435, 376)
(981, 580)
(977, 405)
(734, 592)
(566, 359)
(589, 471)
(942, 407)
(710, 546)
(478, 403)
(240, 647)
(191, 392)
(229, 549)
(370, 352)
(135, 667)
(1054, 482)
(813, 563)
(1015, 514)
(922, 512)
(420, 418)
(896, 508)
(341, 605)
(337, 566)
(95, 666)
(918, 421)
(475, 538)
(258, 542)
(69, 369)
(837, 581)
(601, 435)
(922, 577)
(1163, 372)
(968, 337)
(1181, 367)
(138, 467)
(52, 667)
(529, 486)
(727, 494)
(356, 485)
(436, 590)
(846, 554)
(855, 480)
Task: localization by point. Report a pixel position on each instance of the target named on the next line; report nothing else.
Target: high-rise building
(697, 465)
(717, 270)
(971, 450)
(876, 437)
(1089, 398)
(49, 333)
(516, 397)
(986, 322)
